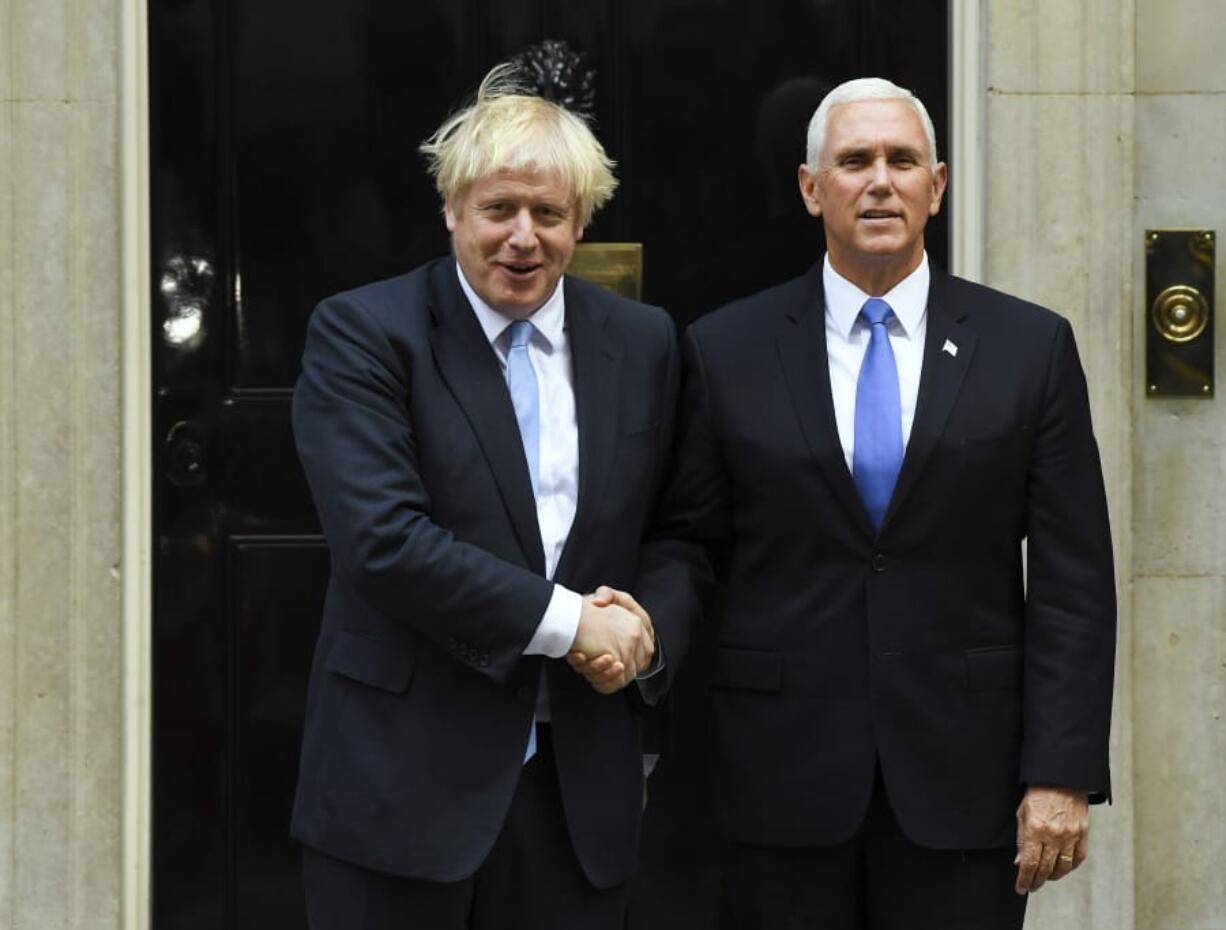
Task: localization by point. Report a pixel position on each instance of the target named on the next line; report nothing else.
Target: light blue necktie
(877, 455)
(521, 380)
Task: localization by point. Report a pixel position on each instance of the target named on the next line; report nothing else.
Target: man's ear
(578, 231)
(449, 215)
(807, 179)
(940, 177)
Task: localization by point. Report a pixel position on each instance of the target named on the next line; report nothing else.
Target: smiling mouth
(519, 269)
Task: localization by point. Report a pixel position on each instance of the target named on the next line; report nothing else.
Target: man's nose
(881, 174)
(523, 230)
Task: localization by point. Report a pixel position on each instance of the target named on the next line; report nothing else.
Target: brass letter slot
(617, 266)
(1179, 312)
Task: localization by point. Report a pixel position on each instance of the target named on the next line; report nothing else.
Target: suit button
(880, 563)
(484, 660)
(472, 656)
(525, 693)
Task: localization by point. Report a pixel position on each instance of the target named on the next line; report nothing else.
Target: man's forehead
(528, 180)
(868, 123)
(528, 175)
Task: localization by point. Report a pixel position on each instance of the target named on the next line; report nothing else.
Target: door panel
(285, 168)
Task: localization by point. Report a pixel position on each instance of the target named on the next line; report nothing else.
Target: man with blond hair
(908, 723)
(484, 438)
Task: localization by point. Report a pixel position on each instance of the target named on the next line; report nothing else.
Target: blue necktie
(878, 451)
(521, 380)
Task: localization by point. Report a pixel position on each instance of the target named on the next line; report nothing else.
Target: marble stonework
(1104, 119)
(61, 713)
(1060, 170)
(1179, 48)
(1179, 459)
(1076, 47)
(1180, 747)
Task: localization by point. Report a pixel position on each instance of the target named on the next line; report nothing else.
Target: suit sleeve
(692, 524)
(1070, 605)
(356, 441)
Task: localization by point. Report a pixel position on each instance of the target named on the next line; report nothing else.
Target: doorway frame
(967, 22)
(136, 364)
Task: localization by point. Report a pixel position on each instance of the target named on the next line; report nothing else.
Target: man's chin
(886, 248)
(518, 306)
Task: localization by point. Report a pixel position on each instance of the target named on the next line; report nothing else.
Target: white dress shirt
(558, 493)
(847, 337)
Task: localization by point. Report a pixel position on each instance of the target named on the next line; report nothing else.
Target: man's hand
(606, 669)
(618, 641)
(1053, 835)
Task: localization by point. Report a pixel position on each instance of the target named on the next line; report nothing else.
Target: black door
(284, 168)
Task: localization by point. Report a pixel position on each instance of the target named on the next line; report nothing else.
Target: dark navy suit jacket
(420, 698)
(918, 646)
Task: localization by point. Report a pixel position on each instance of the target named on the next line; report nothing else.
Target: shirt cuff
(657, 664)
(651, 683)
(558, 627)
(649, 762)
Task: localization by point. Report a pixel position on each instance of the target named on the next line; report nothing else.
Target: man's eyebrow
(852, 151)
(862, 151)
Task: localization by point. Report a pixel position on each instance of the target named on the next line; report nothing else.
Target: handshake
(615, 641)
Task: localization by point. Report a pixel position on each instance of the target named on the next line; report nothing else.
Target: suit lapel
(802, 353)
(470, 368)
(948, 348)
(596, 360)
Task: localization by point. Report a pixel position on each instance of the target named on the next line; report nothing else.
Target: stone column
(1179, 504)
(60, 643)
(1060, 176)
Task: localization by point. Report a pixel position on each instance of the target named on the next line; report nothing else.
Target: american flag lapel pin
(950, 348)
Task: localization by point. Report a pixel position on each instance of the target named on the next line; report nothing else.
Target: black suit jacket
(919, 646)
(420, 700)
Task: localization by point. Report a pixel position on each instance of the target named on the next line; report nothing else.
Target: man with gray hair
(484, 438)
(908, 725)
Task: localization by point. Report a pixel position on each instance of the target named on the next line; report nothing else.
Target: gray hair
(869, 88)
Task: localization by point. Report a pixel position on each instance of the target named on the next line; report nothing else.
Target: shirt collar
(908, 298)
(549, 319)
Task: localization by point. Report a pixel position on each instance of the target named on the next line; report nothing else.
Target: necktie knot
(875, 310)
(521, 333)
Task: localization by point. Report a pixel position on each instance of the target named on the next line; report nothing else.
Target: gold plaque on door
(1179, 312)
(617, 266)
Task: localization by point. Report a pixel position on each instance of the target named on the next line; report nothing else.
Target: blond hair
(508, 129)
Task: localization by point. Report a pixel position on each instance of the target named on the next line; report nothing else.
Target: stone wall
(1104, 118)
(1179, 507)
(60, 643)
(1060, 173)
